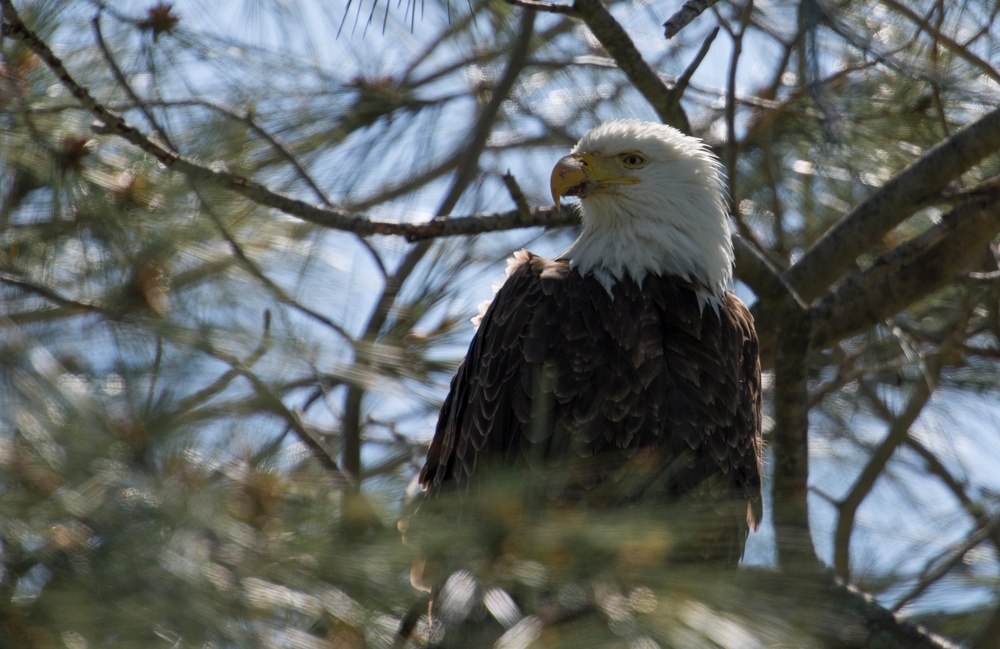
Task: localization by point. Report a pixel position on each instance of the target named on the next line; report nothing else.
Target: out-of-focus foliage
(193, 385)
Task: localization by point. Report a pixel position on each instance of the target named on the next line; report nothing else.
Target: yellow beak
(579, 174)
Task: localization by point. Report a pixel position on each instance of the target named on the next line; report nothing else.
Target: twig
(934, 573)
(326, 217)
(683, 17)
(282, 296)
(732, 139)
(685, 79)
(291, 417)
(119, 76)
(50, 295)
(957, 48)
(543, 6)
(173, 160)
(848, 506)
(523, 210)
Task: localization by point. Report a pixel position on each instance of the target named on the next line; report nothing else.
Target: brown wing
(748, 449)
(642, 395)
(487, 408)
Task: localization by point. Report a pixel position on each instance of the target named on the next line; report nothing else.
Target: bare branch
(523, 210)
(848, 506)
(292, 418)
(683, 17)
(732, 140)
(685, 79)
(936, 570)
(74, 306)
(123, 82)
(665, 101)
(173, 160)
(543, 6)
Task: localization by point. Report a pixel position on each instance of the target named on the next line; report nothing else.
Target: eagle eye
(633, 160)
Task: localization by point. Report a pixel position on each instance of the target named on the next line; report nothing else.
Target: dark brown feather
(644, 390)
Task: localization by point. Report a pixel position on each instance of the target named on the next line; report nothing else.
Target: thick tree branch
(900, 197)
(665, 101)
(906, 274)
(897, 279)
(790, 439)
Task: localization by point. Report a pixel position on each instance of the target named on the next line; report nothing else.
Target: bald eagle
(625, 368)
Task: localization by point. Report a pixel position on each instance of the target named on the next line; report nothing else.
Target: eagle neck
(616, 244)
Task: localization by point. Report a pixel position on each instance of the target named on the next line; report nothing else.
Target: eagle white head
(653, 201)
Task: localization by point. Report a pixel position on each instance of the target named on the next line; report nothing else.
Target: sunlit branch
(683, 16)
(543, 6)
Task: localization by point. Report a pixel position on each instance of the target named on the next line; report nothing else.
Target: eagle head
(652, 201)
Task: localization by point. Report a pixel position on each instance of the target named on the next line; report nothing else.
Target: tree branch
(665, 101)
(685, 78)
(907, 273)
(790, 439)
(683, 17)
(900, 197)
(543, 6)
(847, 508)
